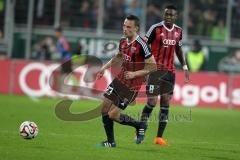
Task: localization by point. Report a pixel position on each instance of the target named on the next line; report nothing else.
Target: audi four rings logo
(44, 88)
(169, 42)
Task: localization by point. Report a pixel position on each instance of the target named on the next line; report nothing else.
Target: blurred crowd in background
(206, 18)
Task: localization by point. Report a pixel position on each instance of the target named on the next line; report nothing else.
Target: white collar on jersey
(168, 28)
(132, 40)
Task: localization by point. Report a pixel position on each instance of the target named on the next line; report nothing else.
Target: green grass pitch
(202, 133)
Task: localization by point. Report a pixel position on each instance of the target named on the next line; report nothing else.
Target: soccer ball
(28, 130)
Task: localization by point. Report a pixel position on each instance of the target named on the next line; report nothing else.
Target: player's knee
(152, 102)
(164, 101)
(112, 115)
(105, 108)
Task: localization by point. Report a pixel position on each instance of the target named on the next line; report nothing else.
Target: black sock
(108, 126)
(129, 121)
(163, 118)
(147, 110)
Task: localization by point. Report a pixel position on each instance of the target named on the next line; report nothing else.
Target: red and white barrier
(205, 89)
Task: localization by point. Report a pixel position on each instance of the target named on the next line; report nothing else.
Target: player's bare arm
(150, 66)
(181, 59)
(116, 60)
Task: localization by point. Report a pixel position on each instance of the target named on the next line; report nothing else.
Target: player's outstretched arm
(150, 66)
(115, 60)
(181, 59)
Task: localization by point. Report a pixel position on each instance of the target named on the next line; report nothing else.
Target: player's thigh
(153, 83)
(120, 95)
(167, 83)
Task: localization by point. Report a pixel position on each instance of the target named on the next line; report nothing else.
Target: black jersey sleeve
(151, 34)
(145, 50)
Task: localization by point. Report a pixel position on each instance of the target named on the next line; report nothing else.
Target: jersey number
(109, 90)
(151, 88)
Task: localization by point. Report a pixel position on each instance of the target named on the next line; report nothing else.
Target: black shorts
(119, 94)
(160, 82)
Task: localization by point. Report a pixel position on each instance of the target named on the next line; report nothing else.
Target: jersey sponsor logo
(169, 42)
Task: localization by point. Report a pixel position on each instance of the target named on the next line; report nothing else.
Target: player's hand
(129, 75)
(100, 74)
(187, 79)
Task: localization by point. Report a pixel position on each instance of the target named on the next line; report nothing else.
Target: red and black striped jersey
(134, 55)
(164, 42)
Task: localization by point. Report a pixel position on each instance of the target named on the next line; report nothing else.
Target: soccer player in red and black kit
(165, 39)
(137, 61)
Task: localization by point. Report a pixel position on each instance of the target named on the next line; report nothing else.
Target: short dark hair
(171, 6)
(135, 19)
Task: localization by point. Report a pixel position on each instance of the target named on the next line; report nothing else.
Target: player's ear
(137, 28)
(176, 16)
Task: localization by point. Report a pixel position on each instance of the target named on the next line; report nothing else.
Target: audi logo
(169, 42)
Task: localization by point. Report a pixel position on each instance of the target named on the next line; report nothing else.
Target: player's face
(129, 28)
(170, 15)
